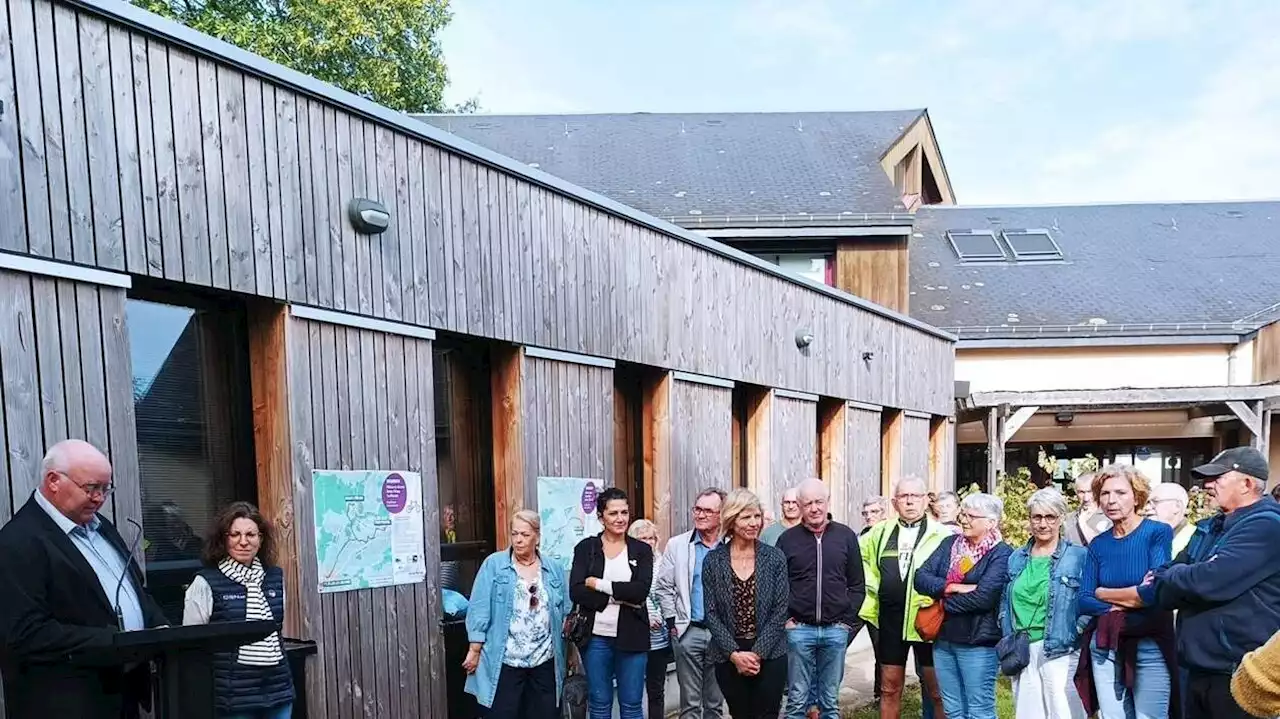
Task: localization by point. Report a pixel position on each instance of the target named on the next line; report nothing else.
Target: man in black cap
(1226, 584)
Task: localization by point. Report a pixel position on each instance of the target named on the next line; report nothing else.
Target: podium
(183, 656)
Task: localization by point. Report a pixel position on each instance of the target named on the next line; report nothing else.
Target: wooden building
(181, 285)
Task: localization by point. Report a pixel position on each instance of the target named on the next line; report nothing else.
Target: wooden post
(995, 446)
(891, 422)
(273, 447)
(832, 453)
(759, 439)
(656, 416)
(508, 440)
(940, 448)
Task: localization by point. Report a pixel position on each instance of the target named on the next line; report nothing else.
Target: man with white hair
(825, 568)
(69, 586)
(891, 552)
(1168, 504)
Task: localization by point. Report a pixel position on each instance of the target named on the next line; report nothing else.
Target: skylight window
(1032, 245)
(976, 245)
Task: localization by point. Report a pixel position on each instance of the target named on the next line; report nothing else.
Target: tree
(384, 50)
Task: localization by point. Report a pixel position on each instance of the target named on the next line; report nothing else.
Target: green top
(1031, 598)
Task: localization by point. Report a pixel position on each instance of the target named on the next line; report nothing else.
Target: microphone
(133, 547)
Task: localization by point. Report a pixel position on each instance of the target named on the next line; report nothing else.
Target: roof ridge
(1110, 203)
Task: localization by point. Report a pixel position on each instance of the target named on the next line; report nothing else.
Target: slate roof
(698, 169)
(1146, 269)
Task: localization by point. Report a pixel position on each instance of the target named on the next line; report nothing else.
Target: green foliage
(1198, 507)
(384, 50)
(1014, 490)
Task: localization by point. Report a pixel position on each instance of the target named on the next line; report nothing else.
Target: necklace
(532, 561)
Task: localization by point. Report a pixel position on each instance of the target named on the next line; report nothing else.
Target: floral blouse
(529, 642)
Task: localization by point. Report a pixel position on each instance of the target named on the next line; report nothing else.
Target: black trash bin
(296, 652)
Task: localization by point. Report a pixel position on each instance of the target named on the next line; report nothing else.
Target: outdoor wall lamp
(804, 338)
(1064, 417)
(369, 217)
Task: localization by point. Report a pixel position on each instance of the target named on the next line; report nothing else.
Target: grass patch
(911, 703)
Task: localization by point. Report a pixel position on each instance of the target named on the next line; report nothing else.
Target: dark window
(1031, 245)
(194, 423)
(976, 245)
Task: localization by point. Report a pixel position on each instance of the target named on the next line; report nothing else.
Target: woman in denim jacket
(1041, 598)
(516, 662)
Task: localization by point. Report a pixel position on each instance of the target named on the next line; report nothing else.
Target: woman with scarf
(967, 575)
(240, 582)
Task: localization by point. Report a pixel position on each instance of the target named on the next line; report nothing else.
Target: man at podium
(70, 584)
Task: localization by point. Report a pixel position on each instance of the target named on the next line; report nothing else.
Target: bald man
(60, 566)
(1168, 504)
(790, 518)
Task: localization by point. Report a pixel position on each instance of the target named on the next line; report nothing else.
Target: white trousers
(1045, 690)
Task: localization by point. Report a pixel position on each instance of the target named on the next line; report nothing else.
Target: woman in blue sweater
(1118, 561)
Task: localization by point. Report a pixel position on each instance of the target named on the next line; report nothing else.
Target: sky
(1032, 101)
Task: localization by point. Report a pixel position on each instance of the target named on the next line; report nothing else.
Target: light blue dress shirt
(697, 612)
(105, 559)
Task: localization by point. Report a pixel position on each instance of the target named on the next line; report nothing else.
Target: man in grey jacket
(678, 585)
(1082, 525)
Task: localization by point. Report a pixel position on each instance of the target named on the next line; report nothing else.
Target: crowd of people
(1121, 608)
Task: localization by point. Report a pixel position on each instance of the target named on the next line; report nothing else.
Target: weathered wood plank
(31, 132)
(538, 287)
(214, 183)
(346, 614)
(320, 242)
(333, 211)
(484, 251)
(92, 370)
(371, 172)
(104, 173)
(13, 235)
(256, 156)
(387, 302)
(364, 244)
(149, 196)
(383, 599)
(51, 118)
(400, 620)
(121, 425)
(125, 125)
(302, 388)
(306, 188)
(427, 606)
(275, 227)
(342, 704)
(411, 617)
(188, 142)
(346, 233)
(19, 368)
(455, 295)
(436, 237)
(69, 326)
(466, 189)
(327, 445)
(418, 236)
(236, 180)
(404, 232)
(291, 207)
(53, 406)
(153, 75)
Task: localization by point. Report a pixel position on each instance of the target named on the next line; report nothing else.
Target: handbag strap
(591, 557)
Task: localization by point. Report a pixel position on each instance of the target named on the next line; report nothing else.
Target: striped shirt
(198, 607)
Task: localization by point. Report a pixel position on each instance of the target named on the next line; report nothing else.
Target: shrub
(1014, 490)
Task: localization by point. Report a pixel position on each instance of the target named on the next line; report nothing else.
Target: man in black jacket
(1226, 584)
(60, 566)
(824, 566)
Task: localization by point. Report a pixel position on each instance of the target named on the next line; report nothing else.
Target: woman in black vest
(240, 582)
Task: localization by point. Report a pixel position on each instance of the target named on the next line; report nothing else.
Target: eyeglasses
(1044, 518)
(966, 517)
(533, 596)
(92, 490)
(704, 510)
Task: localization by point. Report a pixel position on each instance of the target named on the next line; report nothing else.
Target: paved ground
(855, 692)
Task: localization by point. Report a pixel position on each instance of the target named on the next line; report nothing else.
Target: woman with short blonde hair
(738, 501)
(655, 671)
(516, 662)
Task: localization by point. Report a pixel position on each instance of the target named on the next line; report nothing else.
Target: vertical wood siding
(147, 158)
(568, 423)
(862, 445)
(701, 446)
(915, 447)
(794, 438)
(360, 400)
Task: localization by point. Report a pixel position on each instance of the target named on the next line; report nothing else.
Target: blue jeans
(603, 664)
(966, 679)
(815, 668)
(281, 712)
(1150, 696)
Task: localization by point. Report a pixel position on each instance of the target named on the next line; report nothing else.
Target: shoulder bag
(929, 620)
(1014, 650)
(577, 627)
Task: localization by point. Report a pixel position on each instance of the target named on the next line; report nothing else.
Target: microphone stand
(128, 561)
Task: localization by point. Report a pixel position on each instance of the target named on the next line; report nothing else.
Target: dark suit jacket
(57, 624)
(633, 615)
